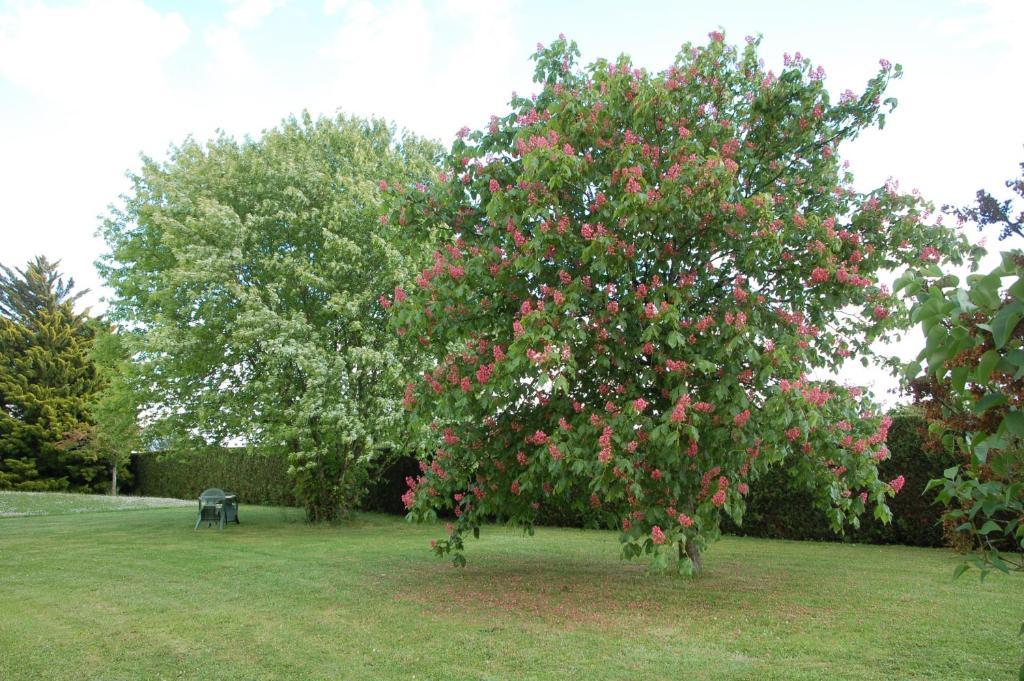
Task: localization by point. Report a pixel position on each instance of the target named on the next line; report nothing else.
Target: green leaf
(960, 569)
(985, 291)
(988, 401)
(986, 364)
(958, 377)
(1014, 422)
(989, 527)
(1005, 322)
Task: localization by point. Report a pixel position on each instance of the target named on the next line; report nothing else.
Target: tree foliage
(640, 272)
(115, 432)
(250, 270)
(46, 380)
(970, 380)
(987, 210)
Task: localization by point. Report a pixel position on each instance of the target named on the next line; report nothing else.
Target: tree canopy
(47, 379)
(640, 272)
(251, 271)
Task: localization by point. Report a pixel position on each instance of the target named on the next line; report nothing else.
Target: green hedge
(260, 479)
(779, 508)
(256, 478)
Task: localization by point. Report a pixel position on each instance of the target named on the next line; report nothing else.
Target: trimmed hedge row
(776, 508)
(260, 479)
(256, 478)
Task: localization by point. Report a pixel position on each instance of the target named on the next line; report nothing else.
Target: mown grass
(57, 503)
(141, 596)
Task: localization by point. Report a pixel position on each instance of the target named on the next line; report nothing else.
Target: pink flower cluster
(538, 438)
(679, 411)
(604, 454)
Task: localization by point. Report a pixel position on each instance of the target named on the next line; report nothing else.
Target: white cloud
(434, 71)
(75, 53)
(332, 7)
(248, 14)
(996, 24)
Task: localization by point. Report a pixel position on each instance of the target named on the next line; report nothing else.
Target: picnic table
(217, 506)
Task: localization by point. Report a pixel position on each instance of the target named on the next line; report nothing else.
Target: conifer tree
(46, 379)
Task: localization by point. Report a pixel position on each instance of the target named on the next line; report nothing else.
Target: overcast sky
(86, 87)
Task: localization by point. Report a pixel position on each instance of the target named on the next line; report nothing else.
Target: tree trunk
(693, 553)
(113, 480)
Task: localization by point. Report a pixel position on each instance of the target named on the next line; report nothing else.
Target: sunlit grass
(55, 503)
(142, 596)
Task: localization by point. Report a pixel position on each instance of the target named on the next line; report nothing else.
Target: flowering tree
(248, 274)
(641, 270)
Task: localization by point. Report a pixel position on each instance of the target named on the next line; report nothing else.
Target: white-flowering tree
(252, 269)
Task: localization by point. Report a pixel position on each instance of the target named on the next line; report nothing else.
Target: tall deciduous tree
(641, 271)
(46, 380)
(252, 270)
(114, 410)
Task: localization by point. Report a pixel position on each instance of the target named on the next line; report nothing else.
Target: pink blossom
(657, 536)
(674, 365)
(741, 419)
(685, 520)
(897, 484)
(483, 374)
(538, 438)
(679, 411)
(640, 404)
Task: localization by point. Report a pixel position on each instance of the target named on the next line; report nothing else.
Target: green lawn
(55, 503)
(141, 596)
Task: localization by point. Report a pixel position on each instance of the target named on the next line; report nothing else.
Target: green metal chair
(211, 503)
(230, 508)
